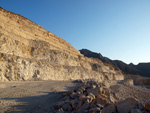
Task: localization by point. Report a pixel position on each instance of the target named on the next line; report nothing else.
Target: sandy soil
(32, 96)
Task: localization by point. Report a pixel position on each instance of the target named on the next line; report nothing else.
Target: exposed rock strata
(29, 52)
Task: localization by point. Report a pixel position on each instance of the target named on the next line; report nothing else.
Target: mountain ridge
(138, 69)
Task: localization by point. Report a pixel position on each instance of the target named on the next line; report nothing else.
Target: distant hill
(144, 68)
(140, 69)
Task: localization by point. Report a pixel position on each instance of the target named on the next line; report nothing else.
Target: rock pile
(93, 97)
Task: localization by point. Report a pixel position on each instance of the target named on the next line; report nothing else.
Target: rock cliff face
(29, 52)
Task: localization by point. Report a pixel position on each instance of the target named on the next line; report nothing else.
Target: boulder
(102, 100)
(128, 82)
(93, 91)
(125, 106)
(109, 109)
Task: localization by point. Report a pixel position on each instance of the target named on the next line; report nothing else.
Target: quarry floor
(32, 96)
(41, 96)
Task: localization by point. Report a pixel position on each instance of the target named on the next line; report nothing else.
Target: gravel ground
(140, 93)
(31, 96)
(41, 96)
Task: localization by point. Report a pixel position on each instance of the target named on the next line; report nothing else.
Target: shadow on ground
(37, 104)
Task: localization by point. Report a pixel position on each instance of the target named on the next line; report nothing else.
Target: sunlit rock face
(29, 52)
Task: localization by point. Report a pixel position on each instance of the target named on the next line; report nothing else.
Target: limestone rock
(109, 109)
(29, 52)
(93, 91)
(125, 106)
(128, 82)
(102, 100)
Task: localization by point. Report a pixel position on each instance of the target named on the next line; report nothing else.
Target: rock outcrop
(29, 52)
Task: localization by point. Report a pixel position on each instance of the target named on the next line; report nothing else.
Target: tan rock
(125, 106)
(93, 91)
(128, 82)
(95, 110)
(29, 52)
(109, 109)
(82, 97)
(112, 99)
(91, 96)
(101, 100)
(73, 95)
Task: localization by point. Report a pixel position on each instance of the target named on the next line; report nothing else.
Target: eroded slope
(29, 52)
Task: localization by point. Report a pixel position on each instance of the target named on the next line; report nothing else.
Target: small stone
(73, 95)
(95, 110)
(67, 107)
(99, 105)
(59, 104)
(80, 89)
(101, 100)
(93, 86)
(78, 92)
(112, 99)
(91, 96)
(82, 97)
(100, 90)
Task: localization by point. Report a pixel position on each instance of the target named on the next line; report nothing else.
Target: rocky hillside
(140, 69)
(29, 52)
(144, 68)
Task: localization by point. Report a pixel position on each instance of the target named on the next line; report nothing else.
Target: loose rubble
(95, 97)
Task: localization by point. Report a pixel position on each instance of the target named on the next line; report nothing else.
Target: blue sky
(118, 29)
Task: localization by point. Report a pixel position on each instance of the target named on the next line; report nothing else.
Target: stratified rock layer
(29, 52)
